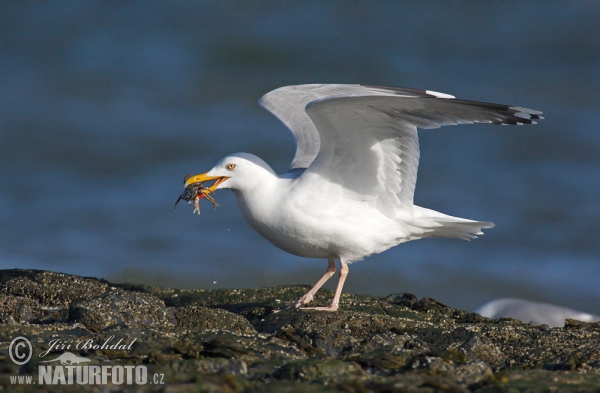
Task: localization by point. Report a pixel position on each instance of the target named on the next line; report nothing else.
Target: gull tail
(436, 224)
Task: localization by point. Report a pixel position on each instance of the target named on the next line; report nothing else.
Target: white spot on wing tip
(437, 94)
(523, 115)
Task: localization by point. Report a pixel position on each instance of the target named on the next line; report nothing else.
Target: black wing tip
(520, 116)
(507, 115)
(504, 114)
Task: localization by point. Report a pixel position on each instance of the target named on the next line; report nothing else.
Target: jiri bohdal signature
(66, 345)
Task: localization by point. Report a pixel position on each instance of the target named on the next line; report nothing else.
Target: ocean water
(105, 106)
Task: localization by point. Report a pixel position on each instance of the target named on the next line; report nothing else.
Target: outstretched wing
(288, 103)
(369, 144)
(364, 138)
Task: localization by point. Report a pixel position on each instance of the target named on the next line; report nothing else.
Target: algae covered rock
(48, 288)
(211, 319)
(251, 340)
(118, 308)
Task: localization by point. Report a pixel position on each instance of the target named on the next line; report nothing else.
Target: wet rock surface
(249, 341)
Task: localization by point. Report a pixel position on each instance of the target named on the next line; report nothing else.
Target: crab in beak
(194, 189)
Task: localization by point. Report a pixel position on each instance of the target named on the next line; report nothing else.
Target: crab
(193, 193)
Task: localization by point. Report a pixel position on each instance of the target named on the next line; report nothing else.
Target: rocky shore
(248, 341)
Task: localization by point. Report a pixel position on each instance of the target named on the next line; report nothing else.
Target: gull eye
(230, 167)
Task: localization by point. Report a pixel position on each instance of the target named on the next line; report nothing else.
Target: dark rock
(315, 370)
(211, 319)
(580, 325)
(480, 348)
(118, 308)
(18, 309)
(49, 288)
(251, 341)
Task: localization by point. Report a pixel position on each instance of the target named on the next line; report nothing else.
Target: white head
(243, 170)
(238, 171)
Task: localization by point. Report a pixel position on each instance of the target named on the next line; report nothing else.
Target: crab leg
(206, 193)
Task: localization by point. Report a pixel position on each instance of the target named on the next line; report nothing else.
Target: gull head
(238, 171)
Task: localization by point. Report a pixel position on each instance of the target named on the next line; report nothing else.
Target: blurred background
(106, 105)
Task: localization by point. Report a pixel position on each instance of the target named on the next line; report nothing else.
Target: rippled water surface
(105, 106)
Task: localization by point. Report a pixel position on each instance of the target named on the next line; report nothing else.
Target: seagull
(348, 192)
(537, 313)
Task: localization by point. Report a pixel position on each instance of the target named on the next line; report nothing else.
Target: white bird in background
(537, 313)
(349, 191)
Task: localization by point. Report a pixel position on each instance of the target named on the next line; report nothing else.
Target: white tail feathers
(465, 230)
(436, 224)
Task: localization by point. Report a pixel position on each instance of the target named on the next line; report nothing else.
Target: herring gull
(349, 191)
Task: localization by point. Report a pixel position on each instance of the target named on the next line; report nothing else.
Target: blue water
(105, 106)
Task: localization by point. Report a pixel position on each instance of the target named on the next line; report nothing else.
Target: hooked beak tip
(204, 178)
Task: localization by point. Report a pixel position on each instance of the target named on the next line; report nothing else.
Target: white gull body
(349, 191)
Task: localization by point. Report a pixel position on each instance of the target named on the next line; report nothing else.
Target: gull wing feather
(288, 103)
(369, 144)
(364, 137)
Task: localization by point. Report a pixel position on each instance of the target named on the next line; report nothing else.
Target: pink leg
(338, 291)
(308, 297)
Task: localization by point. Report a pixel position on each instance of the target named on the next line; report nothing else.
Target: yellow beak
(202, 178)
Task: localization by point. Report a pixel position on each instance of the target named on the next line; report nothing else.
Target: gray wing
(369, 144)
(365, 137)
(288, 103)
